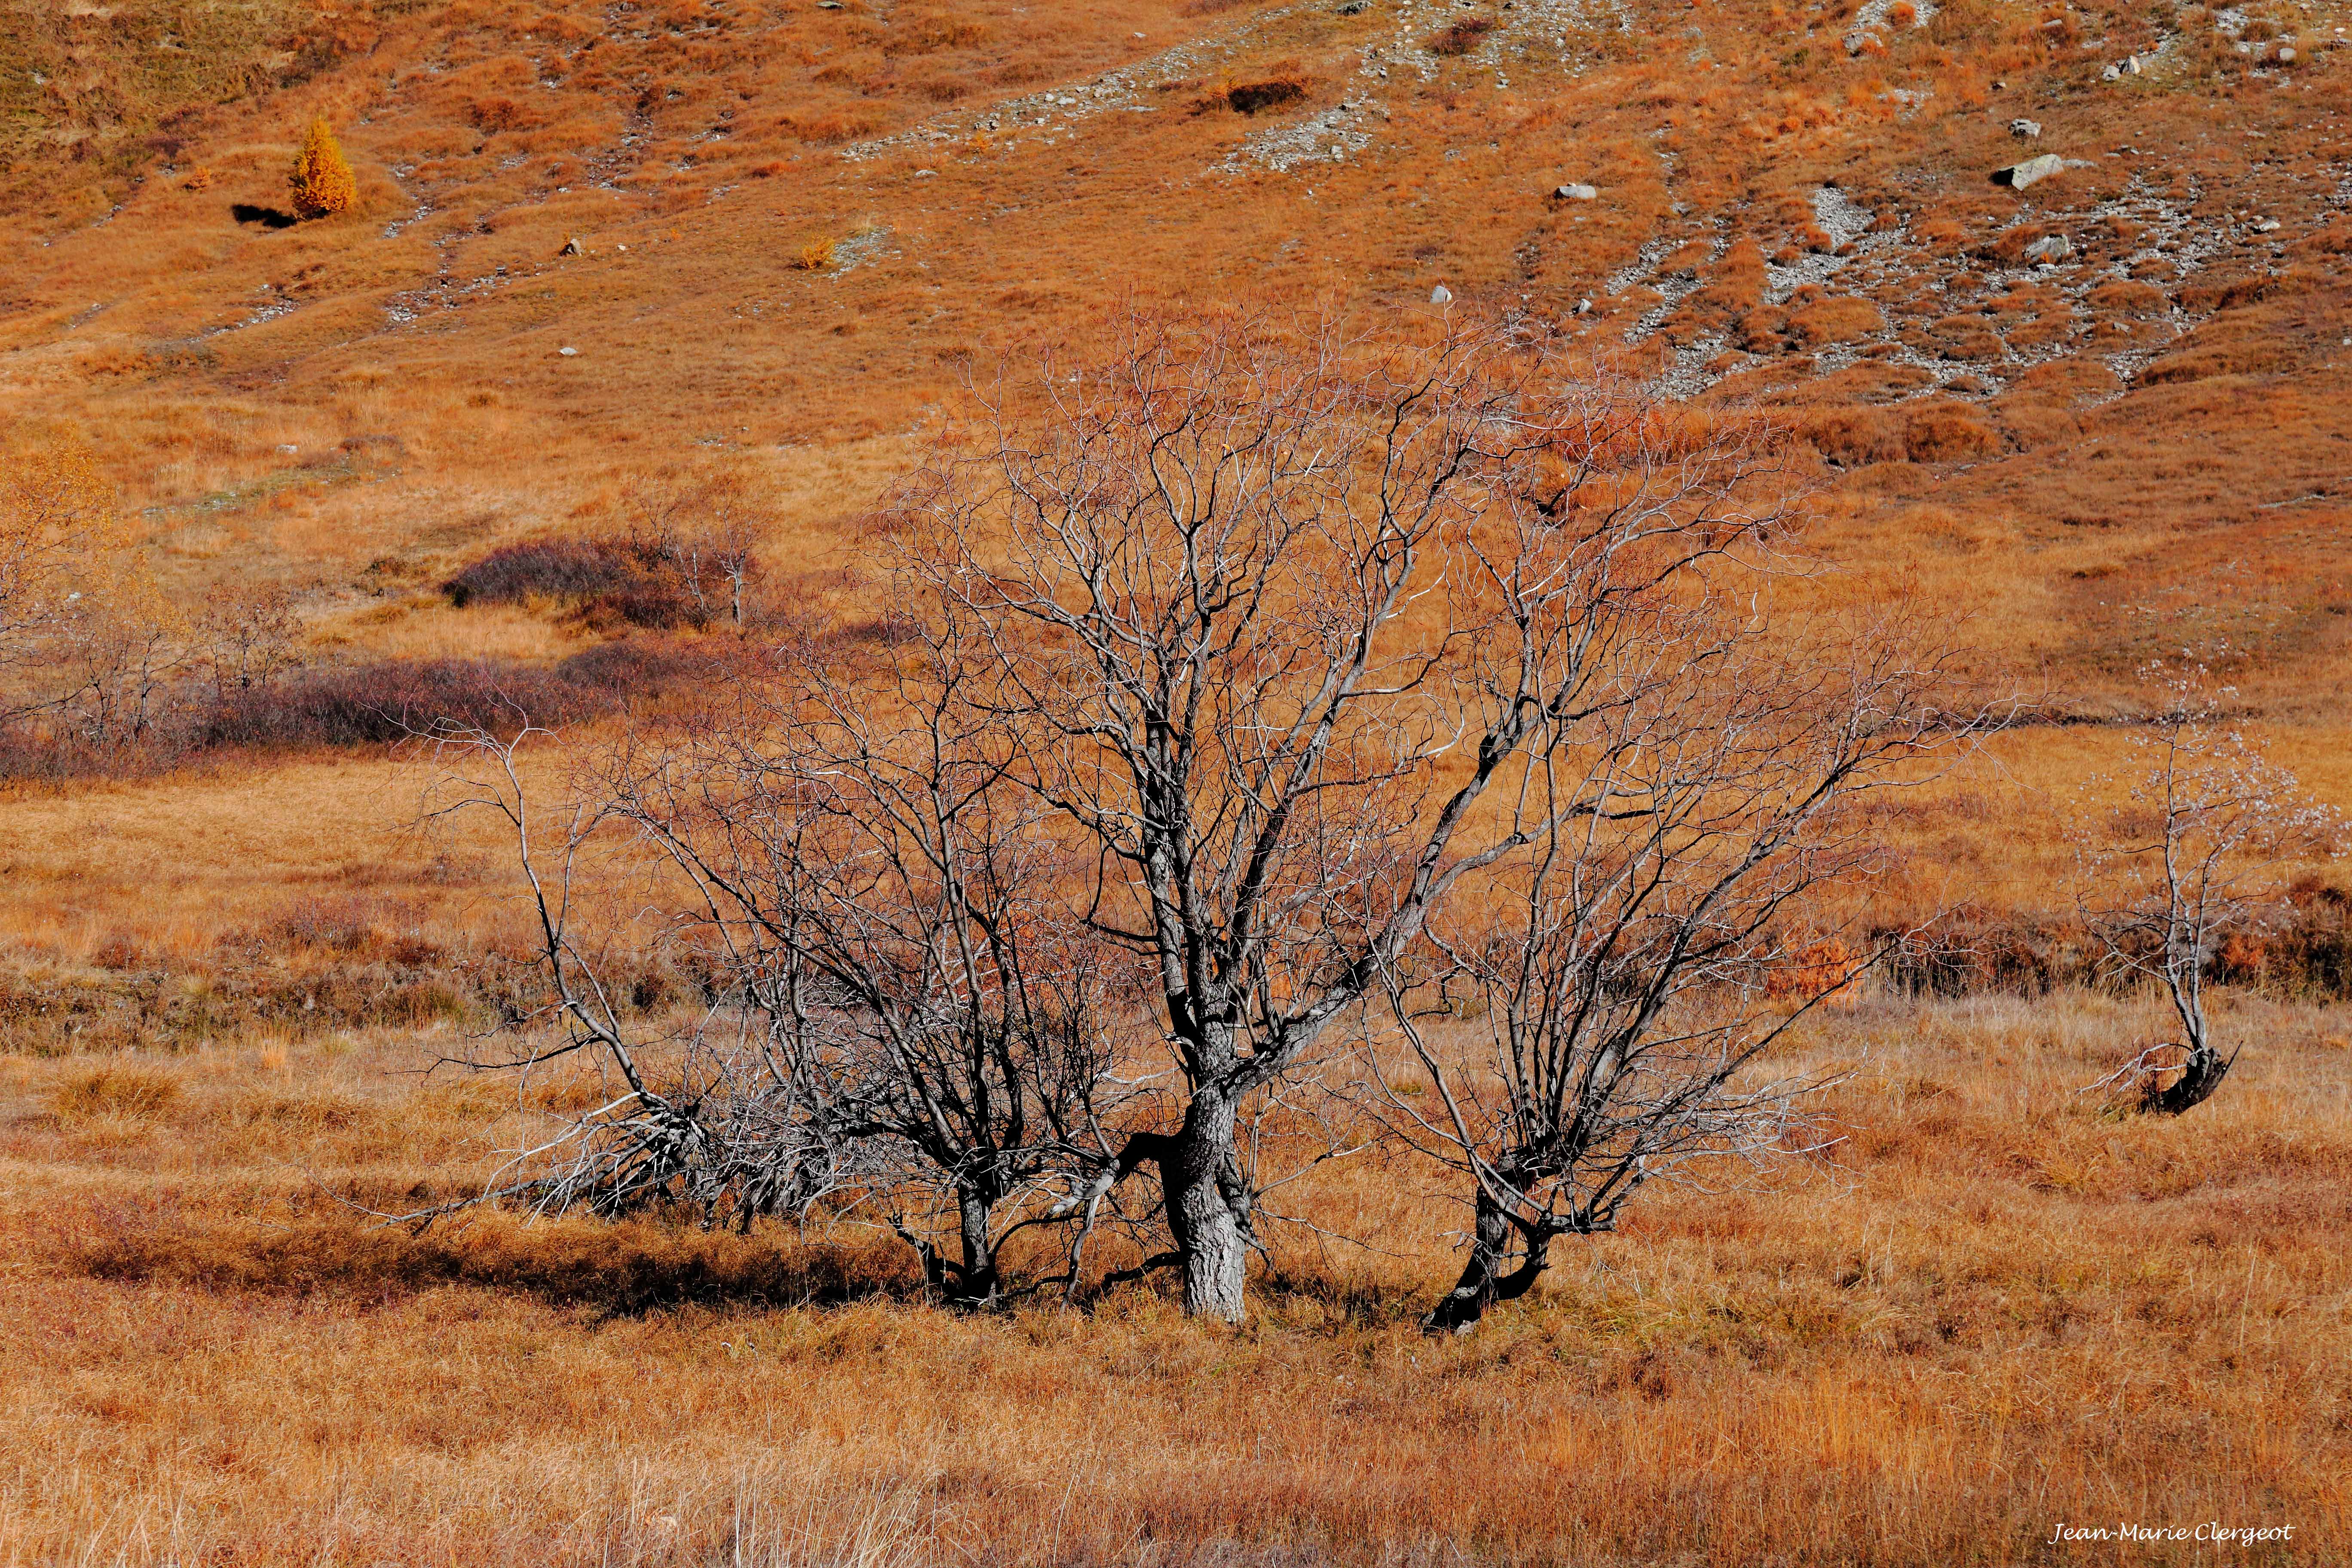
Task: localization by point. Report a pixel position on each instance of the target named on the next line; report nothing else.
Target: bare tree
(1631, 976)
(703, 525)
(735, 517)
(248, 638)
(114, 662)
(699, 1116)
(58, 540)
(1227, 662)
(2186, 860)
(894, 908)
(1275, 618)
(909, 1023)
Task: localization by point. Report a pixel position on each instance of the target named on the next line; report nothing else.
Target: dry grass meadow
(1992, 1312)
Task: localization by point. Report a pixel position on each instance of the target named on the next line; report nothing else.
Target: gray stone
(2050, 247)
(2017, 177)
(572, 247)
(1575, 193)
(1441, 295)
(2025, 130)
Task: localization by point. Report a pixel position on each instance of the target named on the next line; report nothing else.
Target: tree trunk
(975, 1283)
(979, 1285)
(1484, 1281)
(2201, 1071)
(1209, 1209)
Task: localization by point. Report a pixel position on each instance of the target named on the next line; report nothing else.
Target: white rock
(2025, 130)
(567, 352)
(2287, 54)
(2017, 177)
(1575, 193)
(1441, 295)
(2053, 248)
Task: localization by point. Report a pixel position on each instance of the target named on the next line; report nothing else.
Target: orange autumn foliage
(321, 179)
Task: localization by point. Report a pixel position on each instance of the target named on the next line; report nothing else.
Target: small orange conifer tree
(322, 181)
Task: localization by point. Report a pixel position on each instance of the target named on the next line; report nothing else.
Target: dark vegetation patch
(1462, 37)
(2302, 950)
(1252, 96)
(400, 699)
(661, 584)
(385, 702)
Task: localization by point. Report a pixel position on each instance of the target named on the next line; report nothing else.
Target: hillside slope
(2106, 412)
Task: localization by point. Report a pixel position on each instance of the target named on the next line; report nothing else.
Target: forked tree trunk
(1209, 1209)
(2201, 1071)
(1484, 1279)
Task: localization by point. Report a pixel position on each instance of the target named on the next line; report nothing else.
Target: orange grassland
(1993, 1313)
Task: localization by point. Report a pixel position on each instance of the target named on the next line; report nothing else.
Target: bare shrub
(1635, 969)
(2181, 868)
(688, 556)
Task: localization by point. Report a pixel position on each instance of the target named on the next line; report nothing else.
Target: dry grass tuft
(121, 1090)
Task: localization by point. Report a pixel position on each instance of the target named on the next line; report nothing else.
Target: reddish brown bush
(1462, 37)
(658, 583)
(1250, 97)
(549, 569)
(398, 700)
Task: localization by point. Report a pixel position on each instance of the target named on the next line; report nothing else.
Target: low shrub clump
(385, 702)
(660, 584)
(1462, 37)
(401, 700)
(319, 964)
(1252, 96)
(2302, 949)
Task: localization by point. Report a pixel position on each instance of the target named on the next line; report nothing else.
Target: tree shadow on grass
(613, 1270)
(268, 217)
